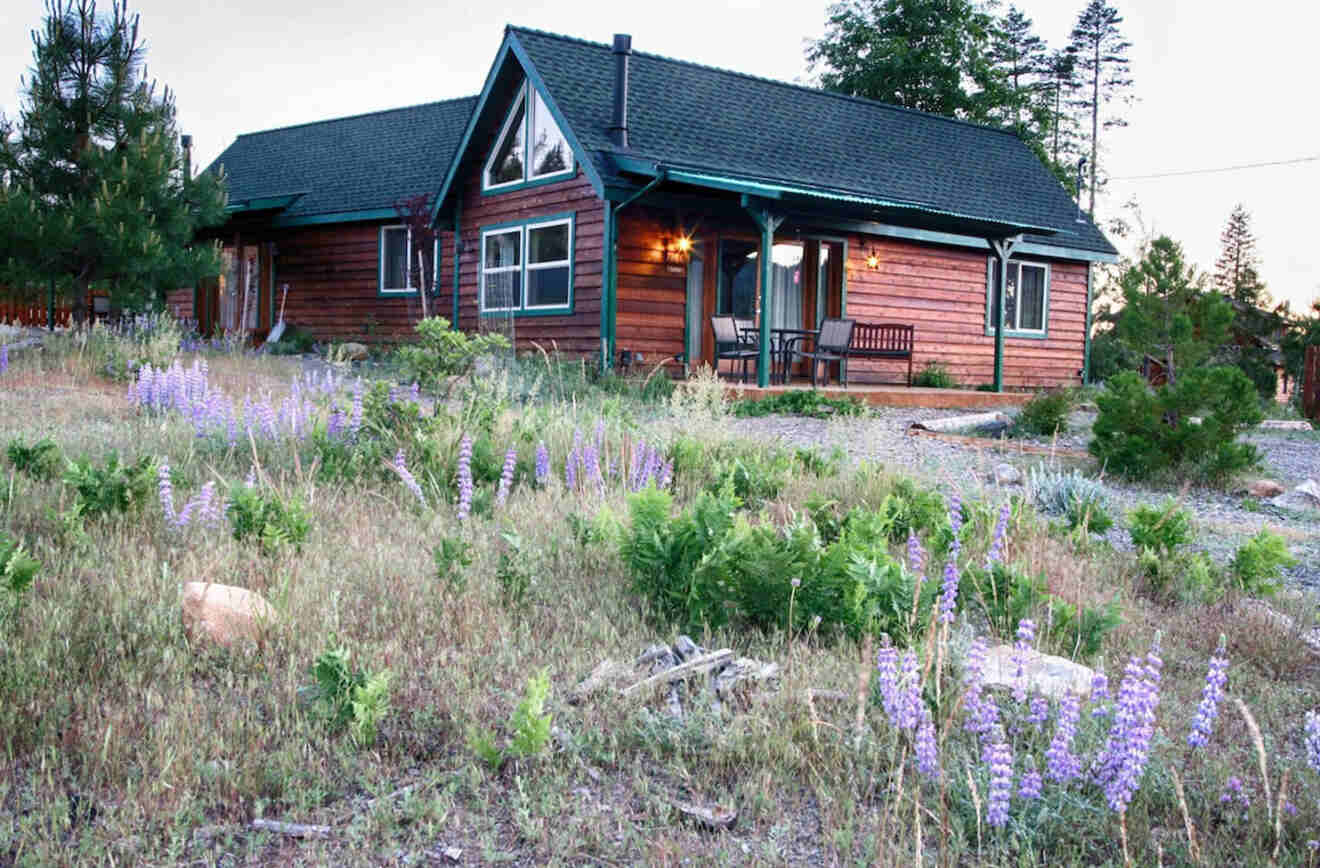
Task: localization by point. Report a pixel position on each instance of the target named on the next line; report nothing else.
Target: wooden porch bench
(883, 341)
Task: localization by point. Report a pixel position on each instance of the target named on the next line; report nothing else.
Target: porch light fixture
(873, 259)
(675, 250)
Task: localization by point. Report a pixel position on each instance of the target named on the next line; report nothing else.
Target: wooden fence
(34, 313)
(1311, 383)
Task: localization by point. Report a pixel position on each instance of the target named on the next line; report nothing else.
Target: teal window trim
(525, 100)
(991, 269)
(381, 290)
(524, 227)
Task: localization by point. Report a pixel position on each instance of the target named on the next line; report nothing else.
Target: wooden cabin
(609, 202)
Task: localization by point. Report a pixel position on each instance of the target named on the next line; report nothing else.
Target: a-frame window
(530, 147)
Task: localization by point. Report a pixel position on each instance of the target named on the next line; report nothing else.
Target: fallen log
(968, 420)
(704, 663)
(998, 445)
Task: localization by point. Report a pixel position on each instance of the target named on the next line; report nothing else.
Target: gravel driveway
(1224, 521)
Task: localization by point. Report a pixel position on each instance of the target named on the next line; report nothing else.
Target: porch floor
(893, 395)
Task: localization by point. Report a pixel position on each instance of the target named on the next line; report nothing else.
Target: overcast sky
(1215, 90)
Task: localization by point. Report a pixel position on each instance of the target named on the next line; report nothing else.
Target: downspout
(609, 300)
(458, 246)
(1086, 351)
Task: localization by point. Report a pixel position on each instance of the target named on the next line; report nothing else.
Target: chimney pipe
(186, 141)
(619, 126)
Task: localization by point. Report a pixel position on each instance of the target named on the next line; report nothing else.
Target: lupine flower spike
(996, 553)
(1123, 760)
(1311, 738)
(1026, 634)
(166, 492)
(949, 588)
(542, 464)
(401, 467)
(999, 757)
(506, 476)
(916, 556)
(1061, 764)
(1213, 691)
(464, 477)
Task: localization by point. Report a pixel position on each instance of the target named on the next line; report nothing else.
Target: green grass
(123, 740)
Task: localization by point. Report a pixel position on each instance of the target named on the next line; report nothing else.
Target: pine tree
(1061, 84)
(1236, 272)
(92, 183)
(1103, 69)
(922, 54)
(1020, 60)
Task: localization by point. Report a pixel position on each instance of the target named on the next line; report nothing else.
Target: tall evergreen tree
(922, 54)
(1236, 272)
(92, 182)
(1103, 68)
(1020, 60)
(1061, 85)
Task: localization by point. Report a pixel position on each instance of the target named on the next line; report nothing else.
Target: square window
(528, 268)
(1026, 297)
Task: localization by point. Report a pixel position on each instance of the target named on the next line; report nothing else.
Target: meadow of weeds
(445, 572)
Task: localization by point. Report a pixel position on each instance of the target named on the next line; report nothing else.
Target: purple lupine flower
(394, 393)
(1099, 692)
(166, 489)
(999, 757)
(949, 588)
(635, 480)
(1311, 739)
(973, 686)
(4, 358)
(928, 760)
(209, 512)
(1211, 693)
(401, 467)
(654, 464)
(591, 464)
(251, 480)
(464, 477)
(570, 469)
(665, 474)
(886, 664)
(1060, 763)
(1026, 634)
(415, 393)
(1123, 760)
(955, 513)
(1030, 785)
(1038, 711)
(506, 476)
(916, 556)
(909, 701)
(355, 420)
(1235, 792)
(996, 553)
(337, 423)
(542, 464)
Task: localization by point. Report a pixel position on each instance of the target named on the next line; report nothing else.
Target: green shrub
(262, 515)
(294, 342)
(529, 725)
(753, 475)
(1005, 596)
(913, 508)
(1258, 565)
(1181, 577)
(1046, 413)
(116, 487)
(935, 375)
(1161, 529)
(350, 697)
(18, 570)
(40, 461)
(1071, 496)
(803, 402)
(1142, 432)
(441, 352)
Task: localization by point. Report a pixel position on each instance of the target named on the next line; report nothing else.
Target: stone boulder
(1007, 474)
(1310, 489)
(351, 352)
(1046, 674)
(223, 614)
(1264, 488)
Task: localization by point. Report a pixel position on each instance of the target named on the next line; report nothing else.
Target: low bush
(262, 515)
(1161, 529)
(1143, 432)
(350, 697)
(1258, 564)
(441, 351)
(935, 375)
(40, 461)
(1078, 499)
(112, 488)
(529, 728)
(1045, 414)
(808, 402)
(1005, 597)
(18, 570)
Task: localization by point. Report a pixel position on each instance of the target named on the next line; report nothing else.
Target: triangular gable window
(509, 163)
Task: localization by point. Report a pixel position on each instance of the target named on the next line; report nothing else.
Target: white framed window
(396, 271)
(530, 146)
(1026, 298)
(528, 267)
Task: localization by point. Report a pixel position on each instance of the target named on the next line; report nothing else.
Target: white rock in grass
(1311, 489)
(1007, 474)
(1042, 673)
(223, 613)
(352, 352)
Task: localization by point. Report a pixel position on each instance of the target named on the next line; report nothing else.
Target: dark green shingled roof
(360, 163)
(687, 115)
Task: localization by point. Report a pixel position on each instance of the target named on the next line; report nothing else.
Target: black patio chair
(831, 345)
(730, 344)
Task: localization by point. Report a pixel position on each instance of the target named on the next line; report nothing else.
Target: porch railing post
(768, 223)
(1003, 248)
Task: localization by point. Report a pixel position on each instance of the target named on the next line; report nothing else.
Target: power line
(1219, 169)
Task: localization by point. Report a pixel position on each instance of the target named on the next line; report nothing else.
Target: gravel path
(1224, 521)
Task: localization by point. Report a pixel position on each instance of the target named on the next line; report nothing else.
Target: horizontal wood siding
(652, 298)
(942, 291)
(574, 334)
(179, 303)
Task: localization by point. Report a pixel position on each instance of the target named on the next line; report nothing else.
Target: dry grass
(123, 741)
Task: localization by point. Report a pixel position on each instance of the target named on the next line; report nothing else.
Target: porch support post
(1003, 248)
(768, 223)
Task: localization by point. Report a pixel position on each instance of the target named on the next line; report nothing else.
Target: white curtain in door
(786, 287)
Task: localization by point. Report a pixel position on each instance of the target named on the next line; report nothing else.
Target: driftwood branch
(704, 663)
(292, 830)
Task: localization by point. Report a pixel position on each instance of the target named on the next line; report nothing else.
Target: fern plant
(18, 570)
(40, 461)
(116, 487)
(263, 516)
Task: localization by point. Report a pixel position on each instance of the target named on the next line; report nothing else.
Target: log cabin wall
(652, 293)
(574, 334)
(179, 303)
(942, 291)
